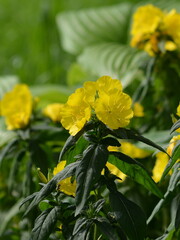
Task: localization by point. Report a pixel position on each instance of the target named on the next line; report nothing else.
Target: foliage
(105, 179)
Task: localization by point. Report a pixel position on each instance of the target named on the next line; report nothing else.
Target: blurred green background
(30, 43)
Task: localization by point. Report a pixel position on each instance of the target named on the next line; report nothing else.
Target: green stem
(95, 233)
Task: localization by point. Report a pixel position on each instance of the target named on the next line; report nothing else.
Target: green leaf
(114, 59)
(88, 172)
(175, 126)
(173, 183)
(80, 29)
(134, 170)
(129, 215)
(79, 225)
(45, 223)
(8, 215)
(50, 94)
(123, 133)
(73, 146)
(175, 156)
(68, 171)
(7, 149)
(7, 83)
(106, 228)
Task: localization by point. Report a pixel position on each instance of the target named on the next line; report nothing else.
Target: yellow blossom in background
(114, 109)
(16, 107)
(162, 159)
(172, 144)
(146, 20)
(154, 30)
(53, 111)
(114, 170)
(161, 162)
(76, 112)
(65, 185)
(171, 25)
(138, 110)
(130, 150)
(178, 110)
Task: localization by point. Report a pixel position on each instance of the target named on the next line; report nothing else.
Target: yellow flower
(76, 112)
(138, 110)
(53, 111)
(114, 108)
(16, 107)
(130, 150)
(178, 110)
(151, 26)
(66, 185)
(161, 162)
(146, 20)
(114, 170)
(162, 159)
(103, 98)
(171, 25)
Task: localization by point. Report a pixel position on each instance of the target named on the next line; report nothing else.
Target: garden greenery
(105, 163)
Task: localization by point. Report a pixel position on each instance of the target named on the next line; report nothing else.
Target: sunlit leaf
(134, 170)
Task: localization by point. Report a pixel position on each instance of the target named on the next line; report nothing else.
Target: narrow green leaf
(45, 223)
(123, 133)
(175, 156)
(68, 171)
(79, 225)
(177, 219)
(135, 170)
(173, 183)
(106, 228)
(175, 126)
(129, 215)
(7, 149)
(88, 172)
(8, 215)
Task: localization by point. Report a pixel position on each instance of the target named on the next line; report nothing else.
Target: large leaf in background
(7, 83)
(86, 27)
(114, 59)
(51, 94)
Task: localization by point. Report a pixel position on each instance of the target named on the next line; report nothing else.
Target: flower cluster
(103, 98)
(155, 31)
(16, 106)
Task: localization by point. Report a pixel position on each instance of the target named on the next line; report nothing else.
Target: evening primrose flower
(53, 111)
(178, 110)
(114, 108)
(114, 170)
(103, 98)
(155, 31)
(76, 112)
(162, 159)
(16, 107)
(138, 110)
(161, 162)
(130, 150)
(66, 185)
